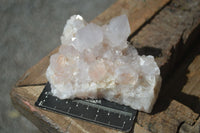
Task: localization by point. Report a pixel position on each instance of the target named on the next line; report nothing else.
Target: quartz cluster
(97, 62)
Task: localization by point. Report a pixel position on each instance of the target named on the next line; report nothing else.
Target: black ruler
(99, 111)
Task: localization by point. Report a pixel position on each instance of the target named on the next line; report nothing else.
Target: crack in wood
(42, 84)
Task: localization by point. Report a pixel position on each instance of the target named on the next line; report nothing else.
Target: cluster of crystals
(95, 62)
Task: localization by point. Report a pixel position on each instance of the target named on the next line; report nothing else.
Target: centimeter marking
(104, 108)
(98, 111)
(94, 120)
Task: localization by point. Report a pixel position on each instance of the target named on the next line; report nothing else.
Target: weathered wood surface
(167, 36)
(185, 87)
(53, 122)
(170, 33)
(137, 11)
(47, 121)
(192, 92)
(167, 121)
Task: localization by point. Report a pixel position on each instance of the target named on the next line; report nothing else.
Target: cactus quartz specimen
(96, 62)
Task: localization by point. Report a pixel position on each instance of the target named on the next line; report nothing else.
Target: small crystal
(97, 62)
(88, 37)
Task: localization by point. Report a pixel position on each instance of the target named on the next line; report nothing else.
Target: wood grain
(183, 86)
(167, 121)
(173, 36)
(138, 11)
(188, 73)
(170, 33)
(192, 88)
(52, 122)
(190, 93)
(185, 128)
(193, 84)
(23, 99)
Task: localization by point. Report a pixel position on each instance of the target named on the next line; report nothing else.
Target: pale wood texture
(161, 29)
(192, 88)
(193, 84)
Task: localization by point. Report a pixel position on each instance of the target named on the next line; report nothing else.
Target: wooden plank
(138, 12)
(51, 122)
(36, 74)
(184, 87)
(193, 83)
(168, 120)
(170, 33)
(190, 94)
(184, 84)
(47, 121)
(23, 99)
(188, 74)
(139, 129)
(158, 36)
(192, 90)
(172, 36)
(185, 128)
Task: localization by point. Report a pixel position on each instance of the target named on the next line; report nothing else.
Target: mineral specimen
(97, 62)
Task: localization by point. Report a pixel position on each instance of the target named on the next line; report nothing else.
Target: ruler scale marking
(98, 111)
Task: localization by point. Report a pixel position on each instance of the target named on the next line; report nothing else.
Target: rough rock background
(29, 30)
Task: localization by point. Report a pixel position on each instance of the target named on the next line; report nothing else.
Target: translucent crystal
(88, 37)
(97, 62)
(117, 32)
(74, 24)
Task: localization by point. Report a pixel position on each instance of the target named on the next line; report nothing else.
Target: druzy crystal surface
(97, 62)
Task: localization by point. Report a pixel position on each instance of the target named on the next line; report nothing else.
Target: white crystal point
(88, 37)
(96, 62)
(75, 23)
(117, 31)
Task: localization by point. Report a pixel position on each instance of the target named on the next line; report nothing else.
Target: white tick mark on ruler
(69, 109)
(40, 103)
(124, 123)
(95, 117)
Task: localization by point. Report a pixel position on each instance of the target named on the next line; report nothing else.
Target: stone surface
(96, 62)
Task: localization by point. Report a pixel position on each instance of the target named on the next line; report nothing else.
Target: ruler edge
(81, 118)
